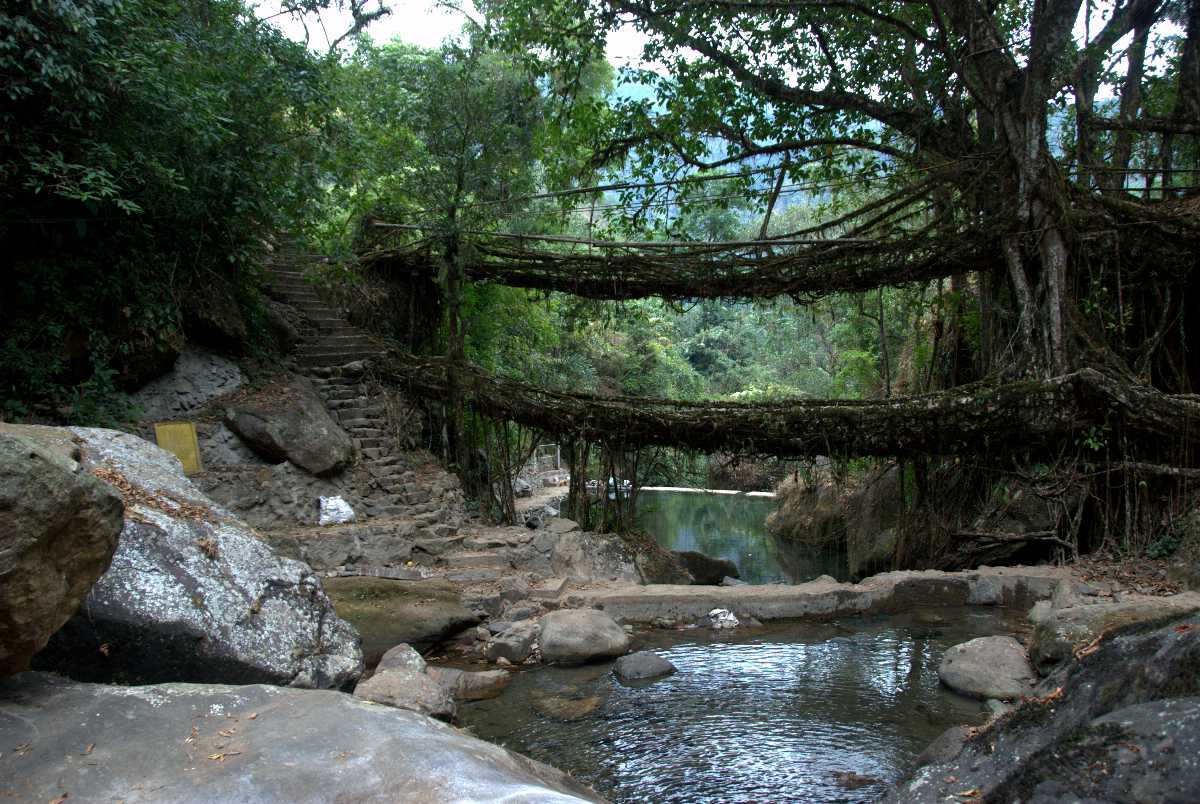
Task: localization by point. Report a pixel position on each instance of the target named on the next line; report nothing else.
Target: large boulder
(1119, 724)
(192, 594)
(574, 636)
(988, 667)
(195, 744)
(1060, 632)
(706, 570)
(58, 530)
(388, 612)
(293, 425)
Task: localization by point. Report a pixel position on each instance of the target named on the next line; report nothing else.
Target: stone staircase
(334, 357)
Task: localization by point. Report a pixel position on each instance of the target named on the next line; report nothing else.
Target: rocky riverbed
(240, 640)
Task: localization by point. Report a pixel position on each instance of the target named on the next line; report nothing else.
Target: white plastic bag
(722, 618)
(335, 511)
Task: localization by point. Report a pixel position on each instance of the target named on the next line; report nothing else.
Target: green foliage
(149, 145)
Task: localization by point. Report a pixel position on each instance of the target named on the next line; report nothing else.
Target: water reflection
(772, 716)
(733, 527)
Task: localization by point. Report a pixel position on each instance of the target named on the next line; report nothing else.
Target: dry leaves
(23, 749)
(60, 799)
(133, 494)
(221, 757)
(90, 748)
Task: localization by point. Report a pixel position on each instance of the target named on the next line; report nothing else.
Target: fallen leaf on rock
(1179, 629)
(226, 732)
(971, 795)
(253, 716)
(90, 748)
(60, 799)
(23, 749)
(221, 757)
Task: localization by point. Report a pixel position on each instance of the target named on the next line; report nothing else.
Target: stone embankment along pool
(770, 495)
(825, 597)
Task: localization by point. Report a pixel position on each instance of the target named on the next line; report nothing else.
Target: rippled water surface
(781, 714)
(733, 527)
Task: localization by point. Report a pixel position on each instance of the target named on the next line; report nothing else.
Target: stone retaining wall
(825, 597)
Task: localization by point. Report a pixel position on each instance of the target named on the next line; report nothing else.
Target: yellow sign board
(179, 438)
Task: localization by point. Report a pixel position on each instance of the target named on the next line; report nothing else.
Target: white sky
(425, 23)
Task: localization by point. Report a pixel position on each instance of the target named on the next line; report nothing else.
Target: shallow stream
(782, 713)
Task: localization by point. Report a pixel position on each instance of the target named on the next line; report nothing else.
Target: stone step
(549, 589)
(348, 423)
(476, 561)
(474, 575)
(370, 443)
(388, 460)
(346, 402)
(336, 359)
(342, 343)
(375, 414)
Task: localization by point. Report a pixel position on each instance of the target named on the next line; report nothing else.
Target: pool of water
(781, 714)
(733, 527)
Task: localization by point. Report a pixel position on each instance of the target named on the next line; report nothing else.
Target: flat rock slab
(196, 744)
(884, 593)
(388, 612)
(1062, 631)
(988, 667)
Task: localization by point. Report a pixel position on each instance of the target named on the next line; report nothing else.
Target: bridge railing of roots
(1034, 416)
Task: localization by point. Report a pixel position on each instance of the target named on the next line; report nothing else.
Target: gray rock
(294, 426)
(197, 378)
(270, 497)
(281, 324)
(642, 665)
(1062, 631)
(575, 636)
(300, 746)
(59, 527)
(220, 446)
(567, 709)
(988, 667)
(561, 525)
(387, 612)
(463, 685)
(1120, 724)
(706, 570)
(402, 657)
(514, 645)
(193, 595)
(401, 681)
(945, 748)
